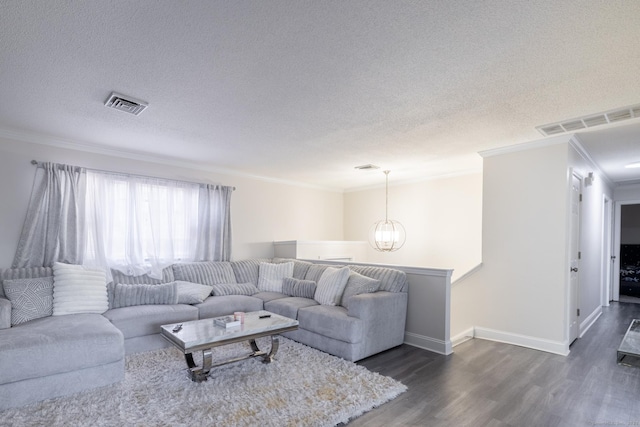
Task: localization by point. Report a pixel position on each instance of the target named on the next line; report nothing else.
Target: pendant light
(387, 235)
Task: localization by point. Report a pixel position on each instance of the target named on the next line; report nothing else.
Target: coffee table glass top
(630, 345)
(197, 333)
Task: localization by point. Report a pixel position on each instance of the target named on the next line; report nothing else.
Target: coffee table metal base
(201, 373)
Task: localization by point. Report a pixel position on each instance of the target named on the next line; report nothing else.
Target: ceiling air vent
(126, 104)
(599, 119)
(367, 167)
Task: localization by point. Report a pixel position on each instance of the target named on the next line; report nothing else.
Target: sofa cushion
(246, 271)
(192, 293)
(30, 298)
(129, 295)
(57, 344)
(300, 268)
(271, 275)
(356, 285)
(314, 272)
(269, 296)
(298, 287)
(289, 307)
(79, 289)
(144, 279)
(331, 321)
(225, 305)
(223, 289)
(205, 273)
(391, 280)
(141, 320)
(331, 285)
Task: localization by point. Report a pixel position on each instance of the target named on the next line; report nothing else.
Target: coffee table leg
(275, 343)
(199, 374)
(266, 357)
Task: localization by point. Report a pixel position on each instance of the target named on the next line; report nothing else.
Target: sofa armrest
(379, 304)
(384, 315)
(5, 313)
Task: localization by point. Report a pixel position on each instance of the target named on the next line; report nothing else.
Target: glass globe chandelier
(387, 235)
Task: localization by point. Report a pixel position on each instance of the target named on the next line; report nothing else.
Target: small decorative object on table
(226, 321)
(239, 315)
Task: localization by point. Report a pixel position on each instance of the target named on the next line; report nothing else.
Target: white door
(574, 261)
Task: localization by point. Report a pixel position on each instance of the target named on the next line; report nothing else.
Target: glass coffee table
(629, 350)
(204, 335)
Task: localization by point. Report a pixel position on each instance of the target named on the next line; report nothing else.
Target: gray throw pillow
(129, 295)
(192, 293)
(356, 285)
(299, 288)
(30, 298)
(224, 289)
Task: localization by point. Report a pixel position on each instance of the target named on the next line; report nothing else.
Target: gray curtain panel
(214, 237)
(53, 228)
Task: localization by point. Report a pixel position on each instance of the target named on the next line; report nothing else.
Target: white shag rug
(302, 387)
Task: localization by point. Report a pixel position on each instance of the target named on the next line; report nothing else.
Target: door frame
(615, 294)
(573, 295)
(608, 232)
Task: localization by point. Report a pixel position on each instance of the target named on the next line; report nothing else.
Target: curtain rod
(39, 164)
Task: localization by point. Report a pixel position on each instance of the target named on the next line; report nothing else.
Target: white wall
(519, 294)
(442, 218)
(590, 287)
(261, 211)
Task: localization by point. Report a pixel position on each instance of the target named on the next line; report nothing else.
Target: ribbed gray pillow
(299, 288)
(223, 289)
(129, 295)
(206, 273)
(30, 298)
(271, 275)
(356, 285)
(331, 285)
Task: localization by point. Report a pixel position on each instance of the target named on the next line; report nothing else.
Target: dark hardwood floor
(486, 383)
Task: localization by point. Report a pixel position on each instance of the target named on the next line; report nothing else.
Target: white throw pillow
(270, 276)
(331, 285)
(79, 289)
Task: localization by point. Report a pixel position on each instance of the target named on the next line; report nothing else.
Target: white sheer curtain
(135, 224)
(140, 225)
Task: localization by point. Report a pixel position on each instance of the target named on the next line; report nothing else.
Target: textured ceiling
(304, 91)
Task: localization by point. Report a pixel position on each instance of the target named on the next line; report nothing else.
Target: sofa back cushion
(206, 273)
(300, 268)
(125, 279)
(315, 271)
(246, 271)
(22, 273)
(391, 280)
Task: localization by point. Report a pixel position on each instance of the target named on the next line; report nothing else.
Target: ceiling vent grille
(126, 103)
(572, 125)
(367, 167)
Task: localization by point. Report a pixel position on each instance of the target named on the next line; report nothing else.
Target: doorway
(629, 253)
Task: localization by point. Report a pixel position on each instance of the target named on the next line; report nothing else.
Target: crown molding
(416, 180)
(540, 143)
(53, 141)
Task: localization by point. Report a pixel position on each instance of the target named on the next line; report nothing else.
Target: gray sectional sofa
(58, 355)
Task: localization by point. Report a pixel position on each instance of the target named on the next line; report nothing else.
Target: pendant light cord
(386, 197)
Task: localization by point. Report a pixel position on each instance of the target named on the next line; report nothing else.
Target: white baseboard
(428, 343)
(589, 321)
(465, 336)
(549, 346)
